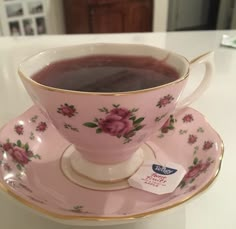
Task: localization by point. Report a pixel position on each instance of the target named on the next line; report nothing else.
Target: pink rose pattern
(119, 122)
(20, 153)
(67, 110)
(167, 99)
(19, 129)
(41, 127)
(188, 118)
(196, 169)
(192, 139)
(207, 145)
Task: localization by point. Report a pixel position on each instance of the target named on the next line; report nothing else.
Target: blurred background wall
(37, 17)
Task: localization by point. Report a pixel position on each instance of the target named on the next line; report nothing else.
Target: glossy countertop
(214, 209)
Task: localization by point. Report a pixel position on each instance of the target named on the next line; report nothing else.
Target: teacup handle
(208, 60)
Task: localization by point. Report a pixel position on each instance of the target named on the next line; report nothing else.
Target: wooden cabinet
(139, 16)
(108, 16)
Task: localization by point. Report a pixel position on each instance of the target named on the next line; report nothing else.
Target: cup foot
(98, 177)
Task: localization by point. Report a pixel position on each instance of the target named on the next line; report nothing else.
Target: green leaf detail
(34, 118)
(200, 130)
(98, 130)
(19, 167)
(195, 161)
(209, 159)
(77, 209)
(191, 181)
(161, 136)
(127, 140)
(26, 146)
(18, 143)
(134, 110)
(96, 120)
(139, 128)
(139, 120)
(182, 184)
(37, 156)
(90, 124)
(116, 105)
(106, 110)
(171, 127)
(132, 118)
(31, 136)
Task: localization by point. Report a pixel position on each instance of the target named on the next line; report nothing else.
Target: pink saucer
(31, 150)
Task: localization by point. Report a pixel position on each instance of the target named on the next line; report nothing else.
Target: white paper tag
(156, 178)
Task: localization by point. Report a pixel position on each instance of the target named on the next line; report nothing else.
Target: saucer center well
(67, 168)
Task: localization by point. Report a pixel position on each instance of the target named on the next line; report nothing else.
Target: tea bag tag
(156, 178)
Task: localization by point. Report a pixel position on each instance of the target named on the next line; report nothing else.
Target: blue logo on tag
(163, 170)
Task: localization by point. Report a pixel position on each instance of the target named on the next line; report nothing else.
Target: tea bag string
(155, 149)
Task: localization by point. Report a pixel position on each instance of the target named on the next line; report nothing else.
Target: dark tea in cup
(107, 73)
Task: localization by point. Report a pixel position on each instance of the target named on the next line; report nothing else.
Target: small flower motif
(41, 127)
(34, 118)
(7, 146)
(207, 145)
(168, 125)
(19, 129)
(77, 209)
(165, 100)
(188, 118)
(67, 110)
(7, 167)
(192, 139)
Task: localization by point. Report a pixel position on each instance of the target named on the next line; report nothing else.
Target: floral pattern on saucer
(41, 127)
(20, 153)
(41, 184)
(19, 129)
(194, 140)
(195, 170)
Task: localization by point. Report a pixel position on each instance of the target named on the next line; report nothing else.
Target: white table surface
(216, 208)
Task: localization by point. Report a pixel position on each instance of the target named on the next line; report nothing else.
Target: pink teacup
(108, 129)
